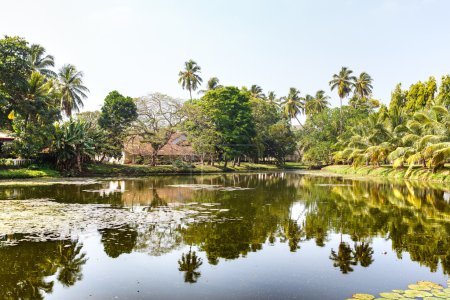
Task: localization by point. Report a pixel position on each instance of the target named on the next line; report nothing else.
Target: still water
(235, 236)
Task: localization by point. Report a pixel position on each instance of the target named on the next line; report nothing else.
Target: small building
(5, 138)
(178, 147)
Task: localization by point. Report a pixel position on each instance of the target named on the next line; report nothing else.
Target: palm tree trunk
(190, 94)
(301, 125)
(340, 112)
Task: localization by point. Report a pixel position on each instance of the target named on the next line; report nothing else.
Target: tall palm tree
(343, 82)
(212, 84)
(257, 92)
(272, 97)
(363, 85)
(189, 78)
(71, 89)
(41, 62)
(293, 104)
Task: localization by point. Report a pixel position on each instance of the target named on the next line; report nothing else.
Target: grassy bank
(142, 170)
(27, 173)
(417, 173)
(111, 170)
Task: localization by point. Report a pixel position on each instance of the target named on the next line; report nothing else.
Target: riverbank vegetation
(414, 173)
(224, 124)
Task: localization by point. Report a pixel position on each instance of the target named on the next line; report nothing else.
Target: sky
(139, 46)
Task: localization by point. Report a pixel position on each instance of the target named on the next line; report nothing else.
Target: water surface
(235, 236)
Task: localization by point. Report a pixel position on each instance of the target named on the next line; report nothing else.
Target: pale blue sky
(138, 47)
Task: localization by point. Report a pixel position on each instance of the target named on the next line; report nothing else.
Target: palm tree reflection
(188, 264)
(344, 258)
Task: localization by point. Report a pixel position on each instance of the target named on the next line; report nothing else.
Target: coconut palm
(271, 97)
(189, 78)
(363, 85)
(317, 103)
(344, 83)
(257, 92)
(41, 62)
(212, 84)
(293, 104)
(71, 89)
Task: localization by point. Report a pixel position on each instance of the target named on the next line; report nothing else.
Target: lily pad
(419, 287)
(363, 296)
(417, 293)
(391, 295)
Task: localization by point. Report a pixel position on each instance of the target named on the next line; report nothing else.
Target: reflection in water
(189, 263)
(24, 268)
(118, 241)
(340, 216)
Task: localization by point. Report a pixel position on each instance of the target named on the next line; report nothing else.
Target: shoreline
(387, 172)
(129, 171)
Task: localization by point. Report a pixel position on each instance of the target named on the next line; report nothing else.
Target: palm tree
(189, 78)
(40, 62)
(71, 89)
(293, 104)
(343, 82)
(257, 92)
(272, 97)
(213, 83)
(363, 85)
(317, 103)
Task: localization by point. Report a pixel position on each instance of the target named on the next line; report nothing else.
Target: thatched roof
(177, 145)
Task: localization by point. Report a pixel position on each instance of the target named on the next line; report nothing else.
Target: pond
(288, 235)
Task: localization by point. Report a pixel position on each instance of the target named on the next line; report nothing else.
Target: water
(270, 236)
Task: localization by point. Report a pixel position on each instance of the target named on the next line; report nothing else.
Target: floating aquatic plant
(425, 290)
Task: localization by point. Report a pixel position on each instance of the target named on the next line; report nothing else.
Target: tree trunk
(238, 161)
(153, 163)
(79, 162)
(190, 94)
(340, 112)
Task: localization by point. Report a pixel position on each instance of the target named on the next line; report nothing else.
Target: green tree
(317, 103)
(40, 61)
(363, 85)
(189, 78)
(293, 104)
(229, 109)
(256, 92)
(344, 83)
(117, 114)
(213, 83)
(71, 89)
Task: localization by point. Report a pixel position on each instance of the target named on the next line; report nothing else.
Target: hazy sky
(137, 47)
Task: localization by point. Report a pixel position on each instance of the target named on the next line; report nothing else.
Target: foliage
(229, 110)
(74, 144)
(189, 78)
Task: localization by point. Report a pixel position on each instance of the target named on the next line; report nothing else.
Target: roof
(178, 145)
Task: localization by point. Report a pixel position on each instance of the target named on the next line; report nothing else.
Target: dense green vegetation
(225, 124)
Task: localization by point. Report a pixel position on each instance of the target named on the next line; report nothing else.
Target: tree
(14, 74)
(257, 92)
(293, 104)
(272, 97)
(363, 85)
(117, 114)
(201, 131)
(229, 109)
(157, 117)
(344, 83)
(71, 89)
(317, 103)
(189, 78)
(72, 145)
(41, 62)
(213, 83)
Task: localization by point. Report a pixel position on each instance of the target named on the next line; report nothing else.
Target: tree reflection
(118, 241)
(343, 259)
(363, 254)
(25, 268)
(189, 263)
